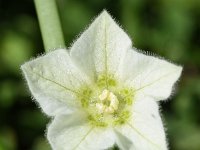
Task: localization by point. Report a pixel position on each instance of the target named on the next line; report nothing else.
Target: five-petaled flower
(102, 91)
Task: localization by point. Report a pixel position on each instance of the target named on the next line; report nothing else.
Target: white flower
(102, 91)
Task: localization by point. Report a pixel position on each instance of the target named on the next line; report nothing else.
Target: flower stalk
(50, 26)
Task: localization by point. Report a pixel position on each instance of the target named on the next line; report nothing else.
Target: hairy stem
(50, 26)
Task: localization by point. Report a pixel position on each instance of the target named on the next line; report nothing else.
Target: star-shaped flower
(102, 91)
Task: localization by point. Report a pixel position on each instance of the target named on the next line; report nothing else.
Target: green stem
(50, 26)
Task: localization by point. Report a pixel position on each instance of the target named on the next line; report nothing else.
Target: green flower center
(108, 103)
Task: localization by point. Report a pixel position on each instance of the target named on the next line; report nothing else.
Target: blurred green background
(169, 28)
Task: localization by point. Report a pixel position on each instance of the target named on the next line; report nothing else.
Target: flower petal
(70, 132)
(123, 142)
(150, 75)
(53, 80)
(145, 128)
(101, 47)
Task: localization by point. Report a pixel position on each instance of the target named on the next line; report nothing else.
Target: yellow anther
(108, 102)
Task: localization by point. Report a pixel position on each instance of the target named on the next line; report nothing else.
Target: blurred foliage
(169, 28)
